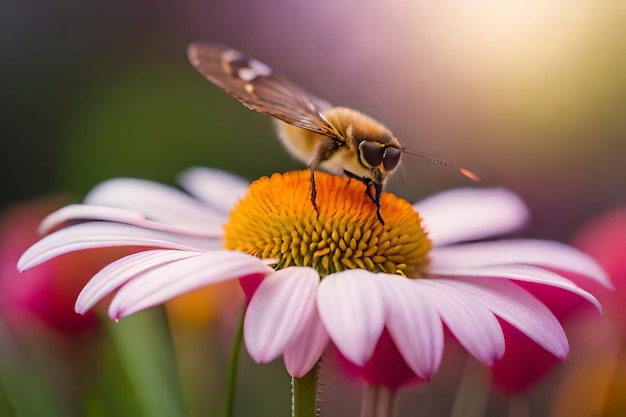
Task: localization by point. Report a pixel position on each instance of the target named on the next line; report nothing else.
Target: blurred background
(531, 96)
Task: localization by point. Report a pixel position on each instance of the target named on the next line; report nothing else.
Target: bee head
(375, 155)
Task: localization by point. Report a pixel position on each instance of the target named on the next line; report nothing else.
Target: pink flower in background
(604, 238)
(525, 363)
(42, 295)
(381, 294)
(603, 358)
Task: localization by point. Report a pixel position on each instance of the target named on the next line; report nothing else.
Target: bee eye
(371, 153)
(391, 158)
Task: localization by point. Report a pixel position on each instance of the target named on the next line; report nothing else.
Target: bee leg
(313, 164)
(324, 151)
(375, 197)
(313, 190)
(378, 189)
(368, 190)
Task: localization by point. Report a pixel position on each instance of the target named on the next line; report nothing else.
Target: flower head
(339, 275)
(604, 238)
(603, 358)
(42, 297)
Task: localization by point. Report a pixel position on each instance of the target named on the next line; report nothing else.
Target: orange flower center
(277, 220)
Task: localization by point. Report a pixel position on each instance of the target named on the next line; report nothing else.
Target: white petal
(519, 251)
(413, 324)
(280, 307)
(520, 273)
(123, 270)
(103, 234)
(351, 307)
(84, 212)
(473, 325)
(470, 214)
(306, 349)
(157, 202)
(215, 187)
(518, 307)
(158, 285)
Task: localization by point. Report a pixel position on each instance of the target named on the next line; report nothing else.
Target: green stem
(518, 406)
(378, 401)
(233, 365)
(386, 402)
(141, 341)
(368, 405)
(304, 399)
(472, 393)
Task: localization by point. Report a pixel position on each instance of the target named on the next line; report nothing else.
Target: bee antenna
(436, 160)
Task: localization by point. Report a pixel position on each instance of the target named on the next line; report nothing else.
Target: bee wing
(257, 87)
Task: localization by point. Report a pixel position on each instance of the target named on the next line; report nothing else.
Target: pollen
(277, 220)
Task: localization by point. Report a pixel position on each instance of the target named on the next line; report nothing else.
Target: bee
(338, 140)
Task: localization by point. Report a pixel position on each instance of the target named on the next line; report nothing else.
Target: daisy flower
(336, 274)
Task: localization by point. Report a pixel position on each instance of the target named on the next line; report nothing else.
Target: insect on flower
(339, 140)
